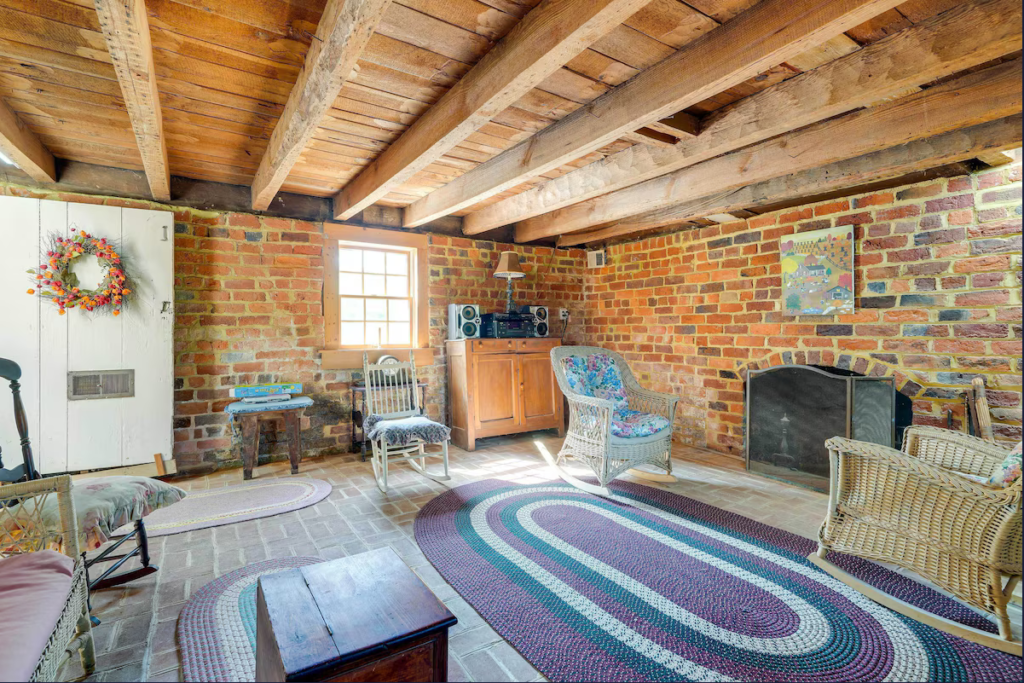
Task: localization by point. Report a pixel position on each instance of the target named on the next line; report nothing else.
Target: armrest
(590, 418)
(26, 524)
(953, 450)
(648, 401)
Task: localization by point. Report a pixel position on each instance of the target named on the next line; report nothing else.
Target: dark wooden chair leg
(250, 444)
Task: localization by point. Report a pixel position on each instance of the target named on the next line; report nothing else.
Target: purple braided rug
(217, 628)
(652, 586)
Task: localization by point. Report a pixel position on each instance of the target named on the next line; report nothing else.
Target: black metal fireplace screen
(792, 410)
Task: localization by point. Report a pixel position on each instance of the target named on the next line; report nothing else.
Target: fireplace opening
(791, 411)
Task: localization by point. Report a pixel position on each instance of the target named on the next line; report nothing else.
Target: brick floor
(137, 639)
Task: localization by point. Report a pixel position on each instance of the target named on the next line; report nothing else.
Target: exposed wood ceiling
(224, 72)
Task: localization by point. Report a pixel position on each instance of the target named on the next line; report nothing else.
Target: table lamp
(509, 269)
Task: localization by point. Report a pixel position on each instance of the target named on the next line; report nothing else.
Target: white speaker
(540, 317)
(463, 321)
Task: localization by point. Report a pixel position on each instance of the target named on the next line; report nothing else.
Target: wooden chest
(502, 386)
(360, 618)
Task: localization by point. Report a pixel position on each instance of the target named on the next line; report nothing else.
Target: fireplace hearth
(792, 410)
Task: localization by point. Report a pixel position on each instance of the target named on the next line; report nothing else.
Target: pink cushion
(33, 590)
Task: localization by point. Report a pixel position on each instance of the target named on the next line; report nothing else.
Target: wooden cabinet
(502, 386)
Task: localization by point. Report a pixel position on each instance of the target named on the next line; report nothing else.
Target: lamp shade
(508, 266)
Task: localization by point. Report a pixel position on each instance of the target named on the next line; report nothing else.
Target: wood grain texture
(548, 37)
(125, 28)
(996, 158)
(986, 95)
(894, 162)
(759, 39)
(23, 147)
(969, 35)
(343, 32)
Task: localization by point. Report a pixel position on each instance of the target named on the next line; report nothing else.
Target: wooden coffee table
(367, 617)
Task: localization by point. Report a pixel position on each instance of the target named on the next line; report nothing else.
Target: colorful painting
(817, 272)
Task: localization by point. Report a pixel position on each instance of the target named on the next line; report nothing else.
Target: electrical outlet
(563, 313)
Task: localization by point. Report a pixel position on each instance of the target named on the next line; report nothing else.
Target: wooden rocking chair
(916, 509)
(395, 425)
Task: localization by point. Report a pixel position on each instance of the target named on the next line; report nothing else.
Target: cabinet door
(496, 392)
(541, 397)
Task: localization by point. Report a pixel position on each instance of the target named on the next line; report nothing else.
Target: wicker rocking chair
(614, 424)
(395, 425)
(914, 510)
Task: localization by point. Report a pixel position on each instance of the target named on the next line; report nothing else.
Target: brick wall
(938, 282)
(248, 310)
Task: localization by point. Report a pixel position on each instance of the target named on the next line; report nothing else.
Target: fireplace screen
(792, 410)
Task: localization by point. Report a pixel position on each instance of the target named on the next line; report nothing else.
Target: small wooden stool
(361, 618)
(250, 414)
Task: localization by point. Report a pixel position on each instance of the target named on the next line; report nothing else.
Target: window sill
(352, 359)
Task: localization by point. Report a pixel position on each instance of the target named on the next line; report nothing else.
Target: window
(375, 293)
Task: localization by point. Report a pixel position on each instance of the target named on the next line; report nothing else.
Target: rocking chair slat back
(391, 389)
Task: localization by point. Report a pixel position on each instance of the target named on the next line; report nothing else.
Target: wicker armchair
(22, 530)
(912, 509)
(591, 438)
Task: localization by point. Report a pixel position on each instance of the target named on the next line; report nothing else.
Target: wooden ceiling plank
(968, 35)
(126, 30)
(764, 36)
(996, 158)
(19, 144)
(966, 101)
(537, 47)
(959, 145)
(344, 30)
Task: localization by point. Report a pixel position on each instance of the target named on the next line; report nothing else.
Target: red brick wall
(248, 310)
(938, 281)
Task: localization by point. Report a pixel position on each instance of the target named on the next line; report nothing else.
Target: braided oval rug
(652, 586)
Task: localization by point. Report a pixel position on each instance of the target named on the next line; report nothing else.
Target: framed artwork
(817, 272)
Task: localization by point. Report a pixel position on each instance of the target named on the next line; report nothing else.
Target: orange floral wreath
(57, 282)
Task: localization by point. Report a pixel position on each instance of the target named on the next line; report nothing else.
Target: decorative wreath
(57, 282)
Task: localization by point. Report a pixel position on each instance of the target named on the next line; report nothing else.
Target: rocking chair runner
(614, 424)
(917, 510)
(395, 425)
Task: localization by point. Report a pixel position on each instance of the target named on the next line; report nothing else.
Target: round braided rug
(217, 628)
(652, 586)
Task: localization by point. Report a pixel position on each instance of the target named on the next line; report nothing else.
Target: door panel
(541, 397)
(496, 399)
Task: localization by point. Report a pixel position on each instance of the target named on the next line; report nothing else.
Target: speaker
(463, 321)
(540, 317)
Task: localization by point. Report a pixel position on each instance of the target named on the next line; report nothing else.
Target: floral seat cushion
(633, 424)
(596, 376)
(1009, 470)
(403, 431)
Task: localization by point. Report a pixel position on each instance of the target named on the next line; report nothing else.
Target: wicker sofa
(44, 618)
(918, 510)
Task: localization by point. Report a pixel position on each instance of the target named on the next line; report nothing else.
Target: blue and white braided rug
(652, 586)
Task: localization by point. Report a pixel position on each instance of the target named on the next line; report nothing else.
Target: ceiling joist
(986, 95)
(19, 144)
(549, 36)
(966, 36)
(762, 37)
(894, 162)
(126, 30)
(343, 32)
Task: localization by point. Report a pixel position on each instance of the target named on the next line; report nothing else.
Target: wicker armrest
(953, 450)
(23, 527)
(648, 401)
(590, 418)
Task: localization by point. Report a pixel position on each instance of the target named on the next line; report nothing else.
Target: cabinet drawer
(538, 345)
(495, 345)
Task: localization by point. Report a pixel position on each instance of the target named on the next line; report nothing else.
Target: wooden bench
(360, 618)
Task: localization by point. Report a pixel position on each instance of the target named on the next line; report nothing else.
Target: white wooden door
(101, 433)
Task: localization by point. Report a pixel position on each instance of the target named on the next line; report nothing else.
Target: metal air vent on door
(84, 386)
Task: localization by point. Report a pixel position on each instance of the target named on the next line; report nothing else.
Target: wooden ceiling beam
(969, 35)
(549, 36)
(19, 144)
(762, 37)
(996, 158)
(986, 95)
(126, 29)
(344, 30)
(894, 162)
